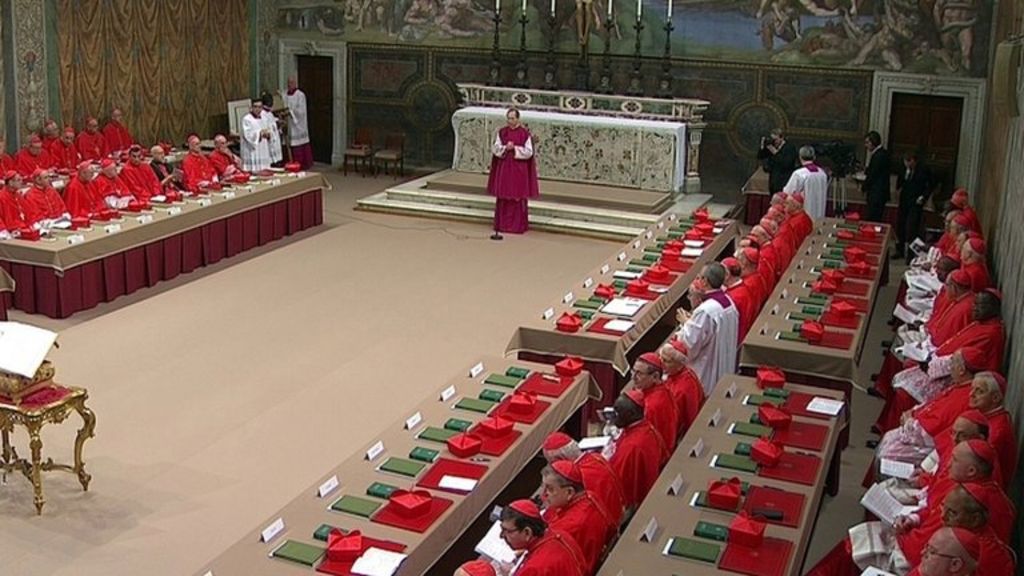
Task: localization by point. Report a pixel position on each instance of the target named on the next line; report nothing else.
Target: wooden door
(316, 79)
(929, 125)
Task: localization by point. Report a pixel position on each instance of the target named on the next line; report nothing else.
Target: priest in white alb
(812, 181)
(255, 146)
(270, 123)
(710, 331)
(298, 125)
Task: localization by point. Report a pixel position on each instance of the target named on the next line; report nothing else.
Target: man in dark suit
(914, 184)
(876, 177)
(778, 159)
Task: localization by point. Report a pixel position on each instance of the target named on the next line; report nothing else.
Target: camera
(840, 155)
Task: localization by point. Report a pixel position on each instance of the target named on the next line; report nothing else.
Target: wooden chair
(360, 149)
(392, 153)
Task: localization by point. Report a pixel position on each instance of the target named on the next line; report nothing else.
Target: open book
(23, 348)
(879, 502)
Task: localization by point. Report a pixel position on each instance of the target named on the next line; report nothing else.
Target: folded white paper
(619, 325)
(493, 546)
(827, 406)
(594, 442)
(378, 562)
(896, 469)
(872, 571)
(917, 351)
(691, 252)
(693, 243)
(457, 483)
(23, 348)
(626, 275)
(882, 504)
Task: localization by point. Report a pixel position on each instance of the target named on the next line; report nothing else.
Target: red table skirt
(757, 206)
(43, 290)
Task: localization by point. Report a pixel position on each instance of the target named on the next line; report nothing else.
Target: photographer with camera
(778, 158)
(875, 179)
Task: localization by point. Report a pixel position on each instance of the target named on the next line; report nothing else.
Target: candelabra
(636, 87)
(605, 84)
(522, 69)
(551, 67)
(494, 76)
(665, 84)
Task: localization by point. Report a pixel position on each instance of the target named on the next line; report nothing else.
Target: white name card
(785, 294)
(649, 235)
(676, 487)
(447, 393)
(76, 239)
(588, 283)
(112, 228)
(731, 391)
(698, 448)
(548, 314)
(567, 298)
(204, 202)
(605, 269)
(713, 422)
(649, 530)
(775, 310)
(621, 256)
(671, 217)
(208, 573)
(375, 451)
(228, 195)
(273, 530)
(661, 225)
(173, 210)
(330, 485)
(636, 245)
(144, 219)
(413, 421)
(825, 406)
(476, 370)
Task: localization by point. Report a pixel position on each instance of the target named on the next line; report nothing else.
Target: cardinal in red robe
(737, 291)
(798, 218)
(49, 133)
(115, 135)
(513, 177)
(81, 194)
(659, 406)
(64, 152)
(224, 161)
(953, 308)
(750, 259)
(985, 331)
(9, 209)
(111, 187)
(960, 201)
(636, 455)
(6, 160)
(683, 383)
(42, 202)
(139, 177)
(972, 261)
(571, 509)
(32, 156)
(546, 551)
(91, 144)
(199, 172)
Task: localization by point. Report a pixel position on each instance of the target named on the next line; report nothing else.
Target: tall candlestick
(524, 5)
(552, 7)
(669, 9)
(639, 8)
(609, 8)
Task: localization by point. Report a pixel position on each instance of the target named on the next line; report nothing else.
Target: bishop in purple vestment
(513, 177)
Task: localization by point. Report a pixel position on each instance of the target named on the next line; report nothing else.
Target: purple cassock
(512, 181)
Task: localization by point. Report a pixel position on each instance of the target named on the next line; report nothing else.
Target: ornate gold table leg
(87, 431)
(36, 444)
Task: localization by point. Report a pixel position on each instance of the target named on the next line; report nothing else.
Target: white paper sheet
(624, 275)
(897, 469)
(691, 252)
(917, 351)
(872, 571)
(693, 243)
(904, 315)
(494, 547)
(623, 307)
(619, 325)
(882, 504)
(378, 562)
(23, 347)
(594, 442)
(827, 406)
(459, 483)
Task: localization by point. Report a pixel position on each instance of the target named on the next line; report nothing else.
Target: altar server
(812, 182)
(269, 120)
(513, 176)
(545, 551)
(298, 125)
(598, 477)
(255, 140)
(571, 509)
(710, 331)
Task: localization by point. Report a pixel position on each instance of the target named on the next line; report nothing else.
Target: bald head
(961, 510)
(966, 466)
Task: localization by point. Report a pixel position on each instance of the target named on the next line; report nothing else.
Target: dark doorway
(316, 79)
(929, 125)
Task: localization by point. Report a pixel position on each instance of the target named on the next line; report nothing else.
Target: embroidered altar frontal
(603, 150)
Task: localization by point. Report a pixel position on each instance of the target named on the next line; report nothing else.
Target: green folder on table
(356, 506)
(832, 264)
(801, 316)
(640, 262)
(674, 234)
(776, 393)
(791, 336)
(758, 399)
(517, 372)
(586, 314)
(752, 430)
(435, 434)
(619, 283)
(711, 531)
(654, 250)
(491, 395)
(380, 490)
(837, 252)
(588, 304)
(734, 462)
(815, 310)
(651, 257)
(742, 449)
(506, 380)
(402, 466)
(457, 424)
(744, 486)
(694, 549)
(299, 552)
(324, 531)
(424, 454)
(475, 405)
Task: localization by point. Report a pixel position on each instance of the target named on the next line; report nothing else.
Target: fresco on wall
(922, 36)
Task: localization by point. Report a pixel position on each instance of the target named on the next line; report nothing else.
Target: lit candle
(524, 6)
(639, 9)
(609, 9)
(552, 8)
(497, 5)
(669, 9)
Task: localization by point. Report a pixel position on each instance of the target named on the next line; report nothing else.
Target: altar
(604, 140)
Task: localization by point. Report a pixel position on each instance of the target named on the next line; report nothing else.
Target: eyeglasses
(507, 530)
(930, 550)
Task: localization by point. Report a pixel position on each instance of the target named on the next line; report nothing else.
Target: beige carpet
(222, 394)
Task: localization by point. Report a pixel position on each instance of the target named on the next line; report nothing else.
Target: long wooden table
(675, 514)
(76, 270)
(608, 356)
(302, 516)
